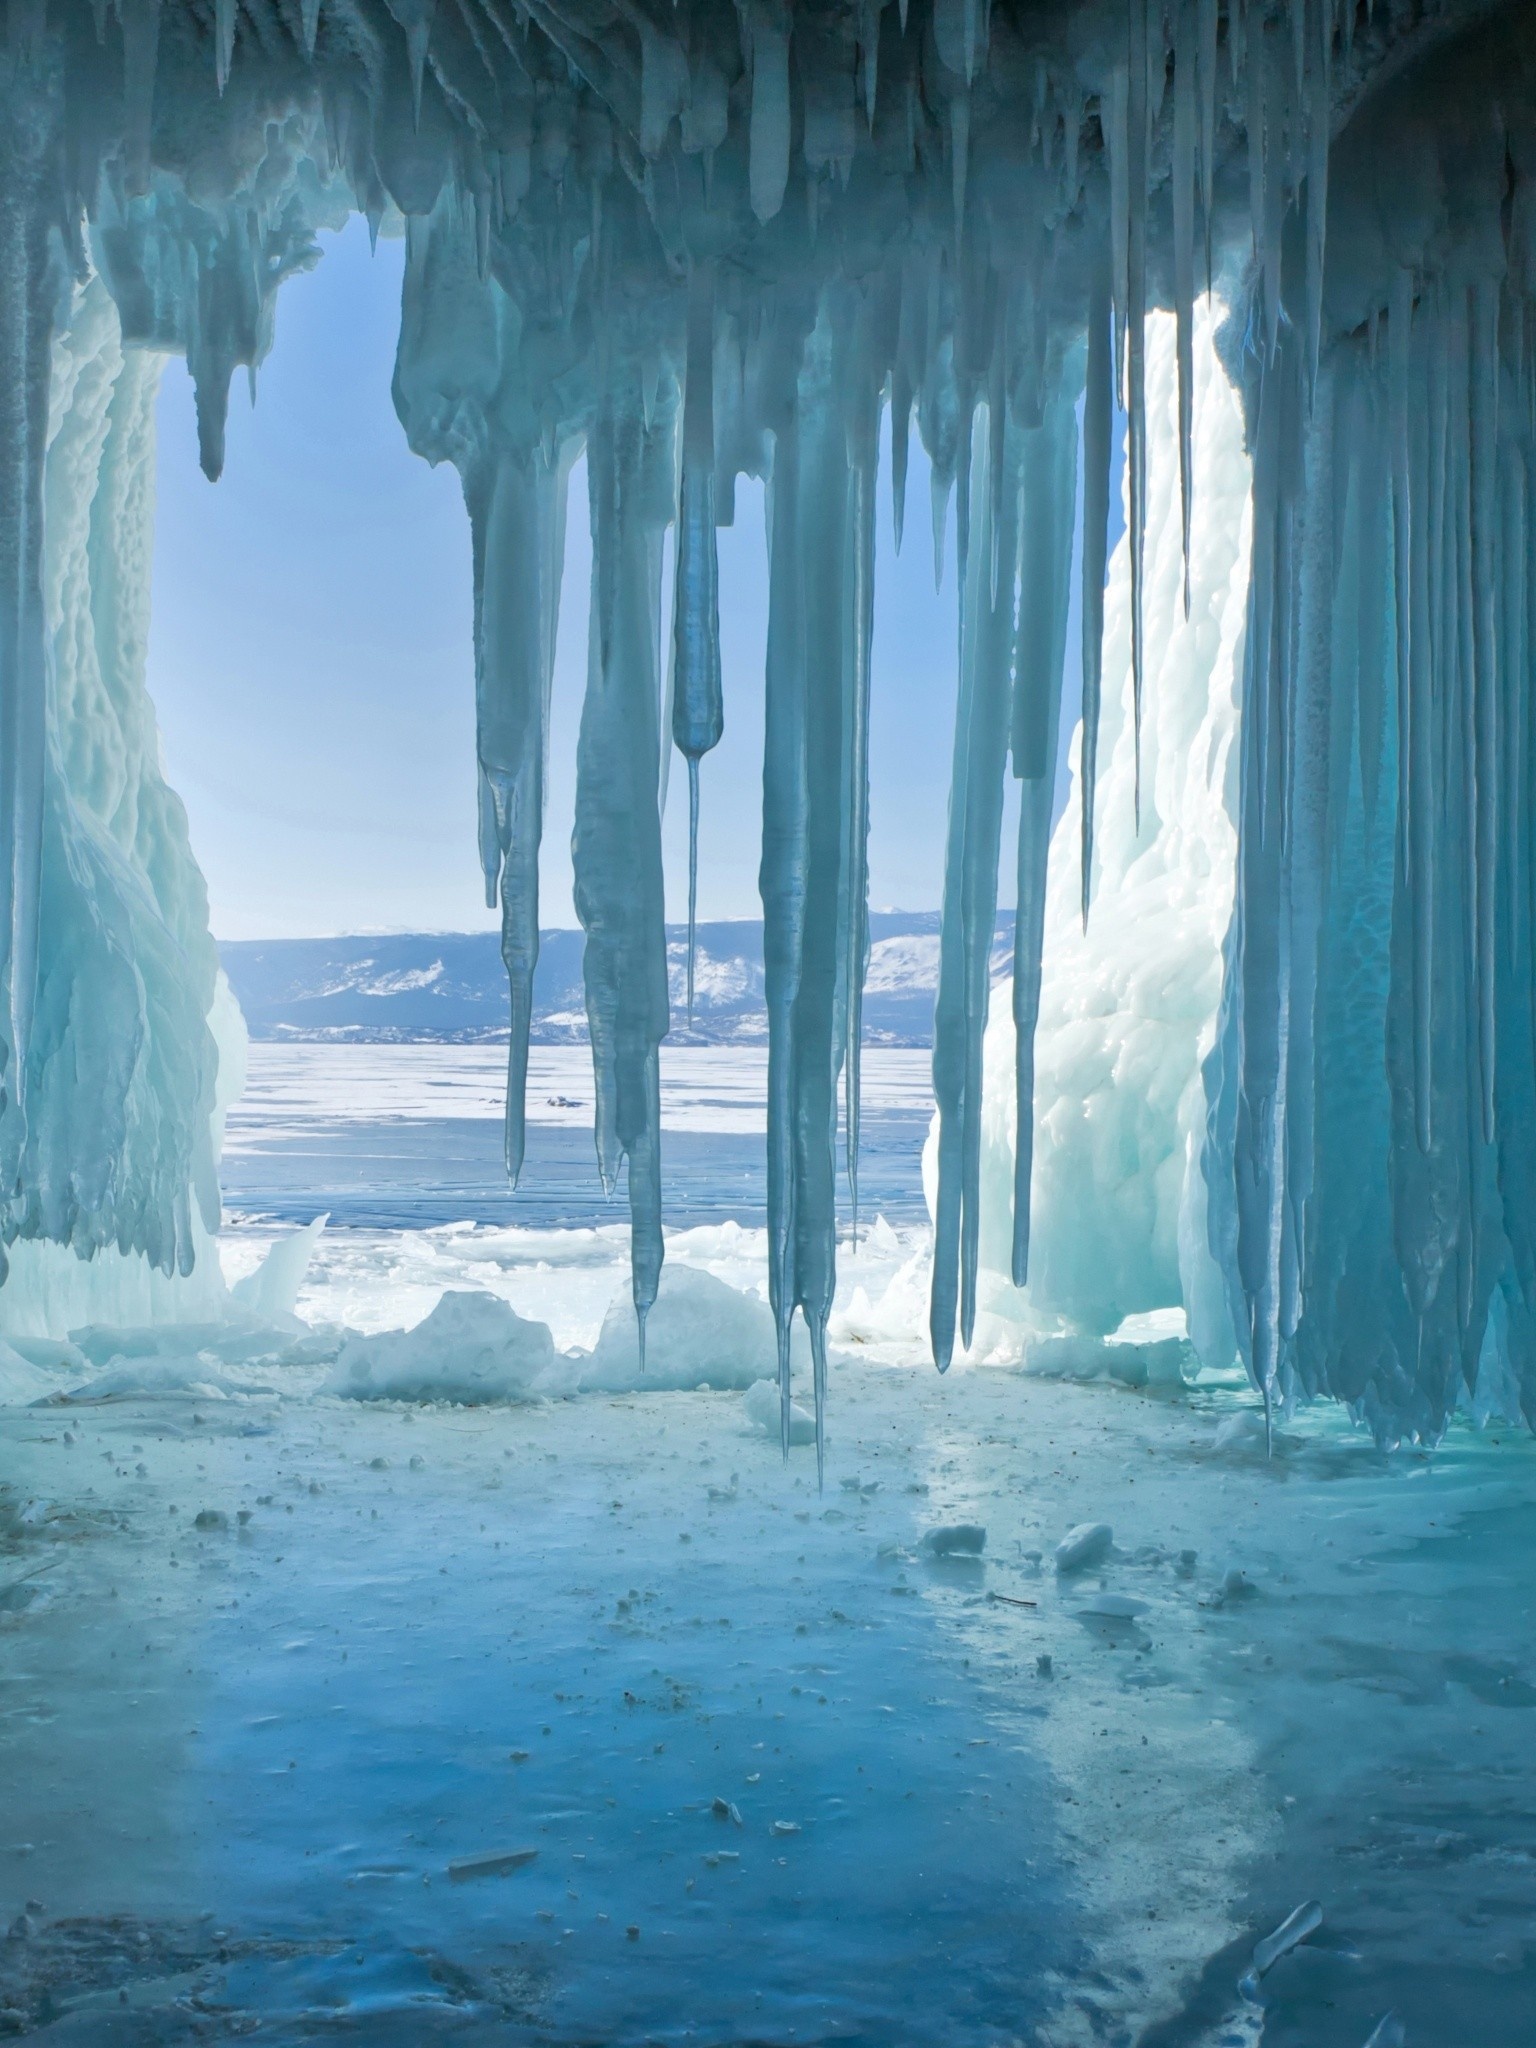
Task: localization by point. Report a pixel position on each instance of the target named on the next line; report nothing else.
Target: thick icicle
(970, 888)
(1098, 425)
(616, 844)
(518, 521)
(1045, 592)
(30, 279)
(1138, 169)
(1184, 258)
(863, 457)
(805, 842)
(698, 713)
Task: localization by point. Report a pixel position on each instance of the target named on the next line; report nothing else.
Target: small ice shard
(762, 1411)
(1086, 1544)
(726, 1809)
(1291, 1932)
(785, 1827)
(492, 1863)
(1388, 2032)
(210, 1518)
(955, 1539)
(1043, 1666)
(1240, 1432)
(1236, 1584)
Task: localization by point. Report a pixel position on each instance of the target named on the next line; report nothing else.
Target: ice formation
(704, 241)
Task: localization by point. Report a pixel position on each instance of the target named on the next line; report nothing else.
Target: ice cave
(950, 1566)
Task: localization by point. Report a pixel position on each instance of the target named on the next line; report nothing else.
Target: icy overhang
(699, 241)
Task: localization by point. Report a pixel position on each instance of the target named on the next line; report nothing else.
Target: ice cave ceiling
(700, 241)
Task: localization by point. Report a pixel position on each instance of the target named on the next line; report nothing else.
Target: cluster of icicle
(1373, 1090)
(697, 241)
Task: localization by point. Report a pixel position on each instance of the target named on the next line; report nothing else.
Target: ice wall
(111, 1140)
(1129, 999)
(703, 241)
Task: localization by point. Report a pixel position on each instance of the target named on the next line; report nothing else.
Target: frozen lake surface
(393, 1136)
(253, 1765)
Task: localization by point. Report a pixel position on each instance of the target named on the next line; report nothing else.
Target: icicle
(416, 18)
(1138, 172)
(141, 54)
(698, 714)
(804, 888)
(224, 15)
(901, 428)
(1425, 667)
(960, 154)
(310, 25)
(864, 445)
(1184, 260)
(1045, 595)
(970, 905)
(1116, 123)
(1207, 38)
(1483, 540)
(28, 304)
(1098, 422)
(518, 524)
(616, 845)
(869, 56)
(1399, 352)
(1319, 118)
(768, 133)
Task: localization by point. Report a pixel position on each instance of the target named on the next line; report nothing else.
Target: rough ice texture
(699, 1333)
(111, 1143)
(1128, 1005)
(472, 1348)
(967, 214)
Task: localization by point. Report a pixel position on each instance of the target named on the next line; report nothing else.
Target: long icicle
(616, 844)
(1138, 126)
(698, 709)
(1098, 425)
(517, 521)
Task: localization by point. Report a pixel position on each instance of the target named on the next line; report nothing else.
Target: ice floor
(788, 1778)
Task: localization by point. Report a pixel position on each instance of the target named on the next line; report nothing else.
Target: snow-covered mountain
(450, 985)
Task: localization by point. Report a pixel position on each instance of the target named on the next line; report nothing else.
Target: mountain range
(451, 986)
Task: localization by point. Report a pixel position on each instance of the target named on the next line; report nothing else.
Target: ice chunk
(763, 1412)
(699, 1333)
(199, 1373)
(955, 1539)
(1291, 1932)
(20, 1381)
(1087, 1543)
(1243, 1431)
(472, 1348)
(273, 1289)
(1169, 1362)
(491, 1863)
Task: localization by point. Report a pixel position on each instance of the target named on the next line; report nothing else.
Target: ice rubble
(706, 242)
(472, 1347)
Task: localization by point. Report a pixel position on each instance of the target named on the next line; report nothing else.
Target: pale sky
(310, 657)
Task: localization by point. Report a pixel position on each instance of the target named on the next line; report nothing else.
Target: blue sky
(310, 656)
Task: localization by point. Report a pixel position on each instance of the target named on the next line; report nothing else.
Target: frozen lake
(393, 1136)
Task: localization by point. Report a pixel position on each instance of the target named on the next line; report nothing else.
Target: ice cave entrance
(485, 1553)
